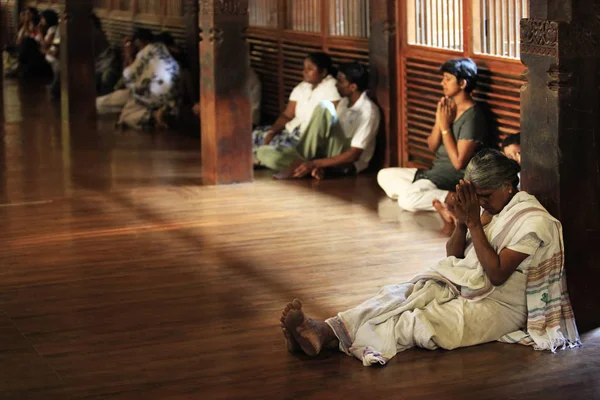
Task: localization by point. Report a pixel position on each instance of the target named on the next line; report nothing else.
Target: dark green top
(471, 125)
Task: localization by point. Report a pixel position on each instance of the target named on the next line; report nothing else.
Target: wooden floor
(122, 278)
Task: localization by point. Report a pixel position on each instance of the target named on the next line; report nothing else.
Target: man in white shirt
(340, 140)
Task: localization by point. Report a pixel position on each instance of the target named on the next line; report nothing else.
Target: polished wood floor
(121, 277)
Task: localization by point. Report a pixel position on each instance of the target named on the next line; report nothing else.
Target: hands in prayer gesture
(465, 207)
(445, 113)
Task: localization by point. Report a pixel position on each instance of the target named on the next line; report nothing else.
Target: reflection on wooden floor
(121, 277)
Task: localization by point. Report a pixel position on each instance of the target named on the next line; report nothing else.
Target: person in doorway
(337, 140)
(459, 131)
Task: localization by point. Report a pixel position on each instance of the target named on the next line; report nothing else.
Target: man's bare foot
(289, 172)
(311, 336)
(318, 173)
(442, 209)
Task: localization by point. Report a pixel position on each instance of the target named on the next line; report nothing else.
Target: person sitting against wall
(318, 85)
(336, 141)
(33, 42)
(184, 65)
(151, 77)
(460, 130)
(504, 281)
(28, 29)
(511, 147)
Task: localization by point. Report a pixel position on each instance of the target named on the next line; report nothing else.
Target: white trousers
(411, 196)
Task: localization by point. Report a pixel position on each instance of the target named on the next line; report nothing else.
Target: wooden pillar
(3, 41)
(78, 81)
(383, 70)
(224, 101)
(560, 126)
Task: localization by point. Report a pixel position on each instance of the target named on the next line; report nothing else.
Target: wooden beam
(383, 87)
(560, 127)
(225, 106)
(78, 80)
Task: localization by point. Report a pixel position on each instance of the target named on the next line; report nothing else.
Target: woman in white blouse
(319, 84)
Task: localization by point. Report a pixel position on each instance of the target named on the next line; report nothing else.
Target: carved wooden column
(383, 70)
(77, 77)
(224, 101)
(560, 125)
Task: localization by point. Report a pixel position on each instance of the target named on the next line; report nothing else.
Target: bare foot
(310, 335)
(318, 173)
(159, 120)
(443, 211)
(289, 172)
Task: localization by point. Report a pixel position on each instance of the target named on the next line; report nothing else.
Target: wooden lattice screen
(436, 30)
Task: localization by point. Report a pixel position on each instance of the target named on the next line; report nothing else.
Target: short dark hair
(165, 38)
(33, 10)
(323, 62)
(510, 140)
(50, 16)
(143, 34)
(463, 69)
(356, 73)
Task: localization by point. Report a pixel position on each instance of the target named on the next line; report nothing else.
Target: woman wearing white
(318, 85)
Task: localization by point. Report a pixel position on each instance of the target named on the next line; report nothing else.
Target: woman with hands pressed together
(501, 281)
(459, 131)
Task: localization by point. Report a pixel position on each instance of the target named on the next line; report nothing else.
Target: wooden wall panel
(278, 45)
(419, 84)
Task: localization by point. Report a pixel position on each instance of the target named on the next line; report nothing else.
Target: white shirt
(360, 123)
(307, 98)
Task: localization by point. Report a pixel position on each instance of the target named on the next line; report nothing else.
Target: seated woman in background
(318, 85)
(460, 130)
(34, 42)
(151, 76)
(504, 281)
(28, 28)
(48, 29)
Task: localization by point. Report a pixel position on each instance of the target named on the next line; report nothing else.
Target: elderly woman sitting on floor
(503, 281)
